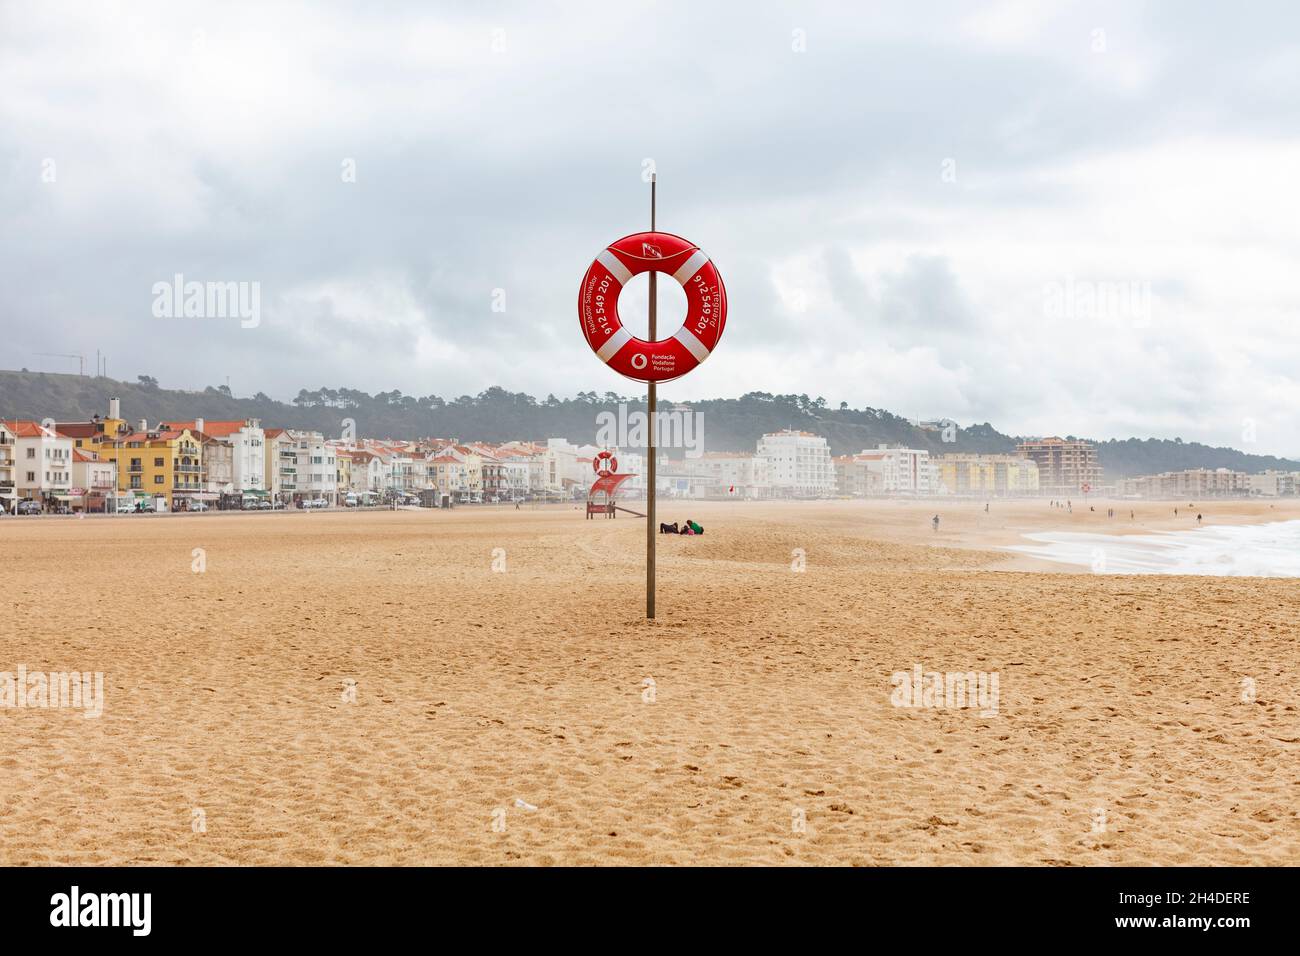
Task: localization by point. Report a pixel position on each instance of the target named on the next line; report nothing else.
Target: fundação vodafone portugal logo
(706, 306)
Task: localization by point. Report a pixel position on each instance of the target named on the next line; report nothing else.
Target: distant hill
(730, 424)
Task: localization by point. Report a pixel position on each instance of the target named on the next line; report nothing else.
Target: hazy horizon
(667, 404)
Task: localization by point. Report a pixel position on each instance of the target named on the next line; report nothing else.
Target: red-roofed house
(94, 478)
(165, 465)
(234, 454)
(42, 463)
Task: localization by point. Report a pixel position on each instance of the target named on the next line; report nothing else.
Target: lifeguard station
(600, 499)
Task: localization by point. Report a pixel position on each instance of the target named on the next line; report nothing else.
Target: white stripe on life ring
(692, 343)
(614, 343)
(691, 266)
(610, 262)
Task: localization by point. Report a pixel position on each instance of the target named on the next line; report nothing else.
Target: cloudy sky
(1060, 218)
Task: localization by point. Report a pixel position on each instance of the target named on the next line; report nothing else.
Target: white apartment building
(563, 474)
(903, 471)
(632, 463)
(397, 469)
(535, 456)
(42, 462)
(798, 464)
(417, 475)
(516, 470)
(366, 473)
(317, 467)
(218, 466)
(8, 494)
(729, 475)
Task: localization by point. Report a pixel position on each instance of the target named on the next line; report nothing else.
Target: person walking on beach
(935, 522)
(1198, 519)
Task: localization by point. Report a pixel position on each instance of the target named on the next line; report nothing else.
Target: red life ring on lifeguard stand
(605, 463)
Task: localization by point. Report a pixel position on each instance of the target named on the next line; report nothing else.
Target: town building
(240, 466)
(563, 474)
(985, 475)
(165, 465)
(95, 432)
(1189, 484)
(1065, 467)
(718, 474)
(342, 471)
(367, 472)
(1273, 483)
(855, 478)
(42, 463)
(94, 482)
(315, 466)
(798, 464)
(449, 478)
(8, 486)
(903, 471)
(281, 464)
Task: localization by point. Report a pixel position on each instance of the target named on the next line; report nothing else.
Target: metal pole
(650, 525)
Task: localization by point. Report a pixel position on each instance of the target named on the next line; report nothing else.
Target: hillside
(730, 424)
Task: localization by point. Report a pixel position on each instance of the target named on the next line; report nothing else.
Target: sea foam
(1264, 550)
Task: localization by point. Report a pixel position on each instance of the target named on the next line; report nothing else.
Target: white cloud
(209, 140)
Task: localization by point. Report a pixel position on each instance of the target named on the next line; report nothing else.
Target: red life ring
(706, 308)
(602, 458)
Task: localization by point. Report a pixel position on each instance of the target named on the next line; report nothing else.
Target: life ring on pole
(706, 306)
(604, 458)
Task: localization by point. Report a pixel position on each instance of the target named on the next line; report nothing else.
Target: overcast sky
(913, 205)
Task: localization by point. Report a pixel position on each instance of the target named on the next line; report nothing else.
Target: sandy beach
(382, 688)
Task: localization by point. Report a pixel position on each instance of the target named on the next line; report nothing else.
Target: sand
(767, 735)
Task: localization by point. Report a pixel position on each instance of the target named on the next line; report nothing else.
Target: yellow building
(343, 471)
(157, 463)
(965, 474)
